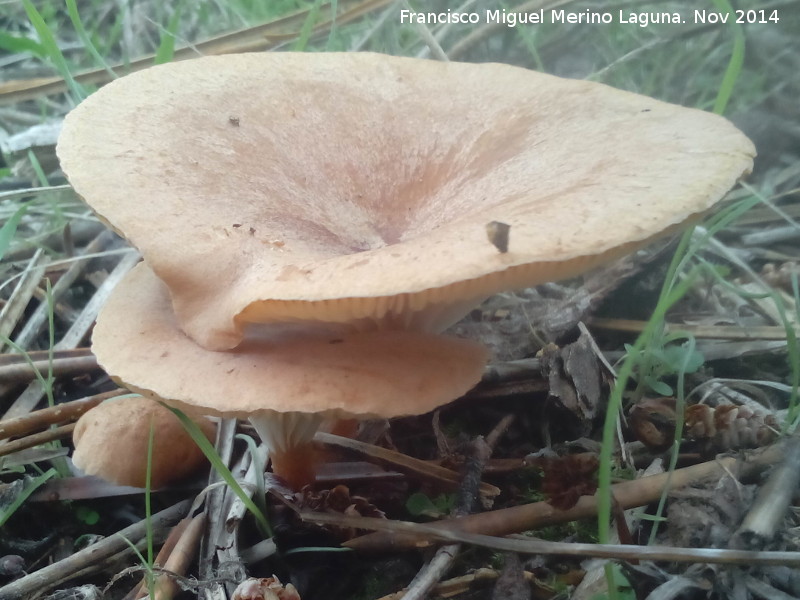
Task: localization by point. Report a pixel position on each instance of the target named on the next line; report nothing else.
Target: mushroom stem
(289, 440)
(298, 466)
(342, 427)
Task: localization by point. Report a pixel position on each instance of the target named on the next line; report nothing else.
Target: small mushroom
(285, 387)
(358, 186)
(111, 442)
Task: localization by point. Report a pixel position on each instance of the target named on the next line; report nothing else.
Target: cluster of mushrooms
(311, 222)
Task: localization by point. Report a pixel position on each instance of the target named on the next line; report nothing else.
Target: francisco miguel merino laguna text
(512, 19)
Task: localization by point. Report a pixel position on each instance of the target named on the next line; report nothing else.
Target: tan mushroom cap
(385, 374)
(111, 442)
(347, 187)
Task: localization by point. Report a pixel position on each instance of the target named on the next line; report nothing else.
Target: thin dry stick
(50, 576)
(15, 358)
(62, 311)
(530, 546)
(78, 330)
(64, 284)
(721, 332)
(771, 236)
(180, 558)
(21, 372)
(53, 415)
(401, 462)
(28, 399)
(36, 439)
(498, 431)
(531, 368)
(762, 589)
(524, 368)
(162, 556)
(432, 572)
(772, 503)
(441, 562)
(459, 585)
(216, 509)
(84, 230)
(427, 37)
(14, 308)
(227, 538)
(629, 494)
(441, 32)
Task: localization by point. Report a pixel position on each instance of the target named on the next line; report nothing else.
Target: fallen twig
(36, 439)
(42, 355)
(53, 415)
(20, 372)
(772, 503)
(163, 555)
(14, 308)
(629, 494)
(440, 563)
(217, 501)
(722, 332)
(180, 558)
(459, 585)
(402, 462)
(527, 546)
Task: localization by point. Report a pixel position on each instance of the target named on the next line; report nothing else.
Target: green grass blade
(307, 28)
(211, 454)
(734, 68)
(9, 229)
(793, 351)
(41, 177)
(51, 343)
(148, 509)
(150, 575)
(333, 33)
(166, 48)
(77, 23)
(670, 295)
(794, 354)
(672, 290)
(52, 51)
(680, 409)
(19, 44)
(32, 486)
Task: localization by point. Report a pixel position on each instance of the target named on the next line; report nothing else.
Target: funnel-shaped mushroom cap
(385, 374)
(339, 187)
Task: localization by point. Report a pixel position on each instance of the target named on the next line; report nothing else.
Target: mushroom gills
(286, 387)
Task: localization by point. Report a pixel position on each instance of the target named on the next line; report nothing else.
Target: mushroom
(111, 441)
(356, 188)
(310, 222)
(284, 386)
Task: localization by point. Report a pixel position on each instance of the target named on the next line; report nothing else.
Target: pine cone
(729, 427)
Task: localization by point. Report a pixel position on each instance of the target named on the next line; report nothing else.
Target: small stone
(12, 565)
